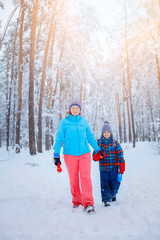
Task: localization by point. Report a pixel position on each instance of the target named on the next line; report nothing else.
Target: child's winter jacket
(75, 132)
(113, 154)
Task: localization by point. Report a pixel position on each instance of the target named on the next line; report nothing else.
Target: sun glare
(108, 11)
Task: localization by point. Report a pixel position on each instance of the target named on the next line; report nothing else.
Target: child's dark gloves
(56, 159)
(97, 156)
(122, 167)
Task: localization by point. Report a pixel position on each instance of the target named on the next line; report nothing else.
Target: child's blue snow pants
(109, 185)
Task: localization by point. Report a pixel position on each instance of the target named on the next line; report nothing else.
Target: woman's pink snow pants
(79, 170)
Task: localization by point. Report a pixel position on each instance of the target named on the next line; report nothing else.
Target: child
(109, 158)
(75, 132)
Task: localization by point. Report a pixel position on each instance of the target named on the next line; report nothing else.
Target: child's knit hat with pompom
(106, 127)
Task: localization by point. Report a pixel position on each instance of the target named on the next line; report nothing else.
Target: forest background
(105, 54)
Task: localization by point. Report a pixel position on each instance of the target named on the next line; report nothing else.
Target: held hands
(97, 156)
(122, 167)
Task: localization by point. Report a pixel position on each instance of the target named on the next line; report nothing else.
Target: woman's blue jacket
(75, 133)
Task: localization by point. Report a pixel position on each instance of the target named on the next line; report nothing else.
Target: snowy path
(35, 202)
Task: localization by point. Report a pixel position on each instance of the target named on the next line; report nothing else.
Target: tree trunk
(38, 37)
(158, 68)
(67, 87)
(8, 102)
(96, 112)
(6, 26)
(12, 76)
(124, 100)
(60, 96)
(55, 90)
(81, 90)
(124, 125)
(60, 76)
(159, 104)
(72, 90)
(143, 124)
(14, 121)
(129, 122)
(48, 138)
(102, 110)
(0, 134)
(129, 81)
(119, 116)
(32, 147)
(84, 99)
(151, 114)
(39, 145)
(148, 135)
(18, 123)
(158, 71)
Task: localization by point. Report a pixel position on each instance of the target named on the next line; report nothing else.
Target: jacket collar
(74, 118)
(110, 139)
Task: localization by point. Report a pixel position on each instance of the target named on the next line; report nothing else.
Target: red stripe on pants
(79, 170)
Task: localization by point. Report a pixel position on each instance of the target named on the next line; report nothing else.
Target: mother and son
(75, 133)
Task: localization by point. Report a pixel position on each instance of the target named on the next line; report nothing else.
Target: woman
(75, 133)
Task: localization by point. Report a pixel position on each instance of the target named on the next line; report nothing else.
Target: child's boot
(106, 204)
(114, 199)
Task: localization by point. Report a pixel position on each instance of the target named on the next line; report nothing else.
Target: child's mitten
(97, 156)
(122, 167)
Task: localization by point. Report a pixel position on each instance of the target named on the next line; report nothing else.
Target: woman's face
(106, 134)
(75, 110)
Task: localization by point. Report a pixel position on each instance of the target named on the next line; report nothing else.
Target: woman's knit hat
(106, 127)
(75, 102)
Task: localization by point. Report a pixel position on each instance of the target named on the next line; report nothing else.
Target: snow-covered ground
(35, 200)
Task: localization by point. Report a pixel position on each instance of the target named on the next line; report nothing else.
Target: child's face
(106, 134)
(75, 110)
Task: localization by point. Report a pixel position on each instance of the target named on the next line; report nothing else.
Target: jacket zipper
(78, 135)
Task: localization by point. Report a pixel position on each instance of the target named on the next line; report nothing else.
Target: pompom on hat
(75, 102)
(106, 127)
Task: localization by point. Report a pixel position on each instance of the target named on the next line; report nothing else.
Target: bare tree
(119, 116)
(32, 147)
(14, 81)
(20, 79)
(128, 76)
(48, 138)
(159, 101)
(7, 24)
(151, 115)
(8, 101)
(124, 101)
(39, 144)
